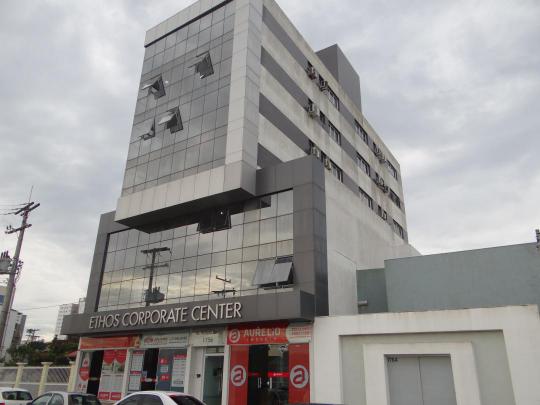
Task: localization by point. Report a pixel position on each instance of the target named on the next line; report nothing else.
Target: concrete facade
(63, 310)
(499, 276)
(493, 352)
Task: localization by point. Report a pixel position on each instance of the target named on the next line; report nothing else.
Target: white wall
(356, 239)
(519, 326)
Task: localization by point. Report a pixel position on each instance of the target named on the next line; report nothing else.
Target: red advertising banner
(254, 334)
(109, 342)
(299, 373)
(238, 376)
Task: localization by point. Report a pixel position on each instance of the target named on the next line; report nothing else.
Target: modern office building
(254, 190)
(63, 310)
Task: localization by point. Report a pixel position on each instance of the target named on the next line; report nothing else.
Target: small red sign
(299, 373)
(109, 356)
(264, 333)
(84, 371)
(238, 375)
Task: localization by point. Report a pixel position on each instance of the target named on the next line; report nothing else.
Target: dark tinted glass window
(185, 400)
(42, 400)
(132, 400)
(57, 400)
(24, 396)
(150, 400)
(75, 399)
(9, 395)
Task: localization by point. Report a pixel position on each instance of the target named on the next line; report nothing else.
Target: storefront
(159, 363)
(102, 364)
(269, 363)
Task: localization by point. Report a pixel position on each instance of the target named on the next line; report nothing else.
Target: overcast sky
(453, 87)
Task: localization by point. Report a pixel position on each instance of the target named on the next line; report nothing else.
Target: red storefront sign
(238, 375)
(255, 334)
(299, 373)
(87, 343)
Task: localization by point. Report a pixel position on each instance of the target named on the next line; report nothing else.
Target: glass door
(213, 379)
(268, 374)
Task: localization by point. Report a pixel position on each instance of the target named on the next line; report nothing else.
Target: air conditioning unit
(327, 163)
(311, 72)
(312, 110)
(323, 85)
(379, 154)
(315, 151)
(381, 184)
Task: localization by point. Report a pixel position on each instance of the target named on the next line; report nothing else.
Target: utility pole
(153, 295)
(15, 266)
(31, 335)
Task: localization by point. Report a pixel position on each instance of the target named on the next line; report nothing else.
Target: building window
(382, 213)
(395, 199)
(398, 229)
(202, 266)
(334, 133)
(322, 118)
(366, 198)
(334, 100)
(392, 170)
(204, 67)
(172, 120)
(363, 164)
(155, 86)
(361, 132)
(337, 172)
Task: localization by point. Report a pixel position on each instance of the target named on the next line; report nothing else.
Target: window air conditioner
(311, 72)
(316, 151)
(327, 163)
(312, 110)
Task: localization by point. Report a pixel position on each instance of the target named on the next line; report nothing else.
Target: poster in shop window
(171, 369)
(112, 372)
(178, 370)
(135, 371)
(84, 373)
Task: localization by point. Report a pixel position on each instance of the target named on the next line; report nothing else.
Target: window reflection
(198, 266)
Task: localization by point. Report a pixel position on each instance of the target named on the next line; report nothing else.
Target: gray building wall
(336, 61)
(490, 357)
(491, 277)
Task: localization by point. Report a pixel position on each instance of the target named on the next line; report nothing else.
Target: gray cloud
(451, 86)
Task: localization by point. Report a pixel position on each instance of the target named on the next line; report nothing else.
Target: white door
(421, 380)
(196, 372)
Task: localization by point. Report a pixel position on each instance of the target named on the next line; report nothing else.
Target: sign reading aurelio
(198, 313)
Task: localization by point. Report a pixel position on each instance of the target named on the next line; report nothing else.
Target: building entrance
(213, 379)
(268, 374)
(269, 364)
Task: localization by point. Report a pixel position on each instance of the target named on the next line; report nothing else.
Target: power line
(35, 308)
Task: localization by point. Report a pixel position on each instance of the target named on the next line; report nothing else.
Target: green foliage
(33, 353)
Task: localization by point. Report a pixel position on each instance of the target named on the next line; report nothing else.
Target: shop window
(155, 86)
(172, 120)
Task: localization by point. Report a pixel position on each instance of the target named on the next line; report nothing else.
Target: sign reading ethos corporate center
(198, 313)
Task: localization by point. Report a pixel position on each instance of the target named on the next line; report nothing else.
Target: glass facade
(198, 266)
(157, 154)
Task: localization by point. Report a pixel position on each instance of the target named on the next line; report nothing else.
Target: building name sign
(176, 315)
